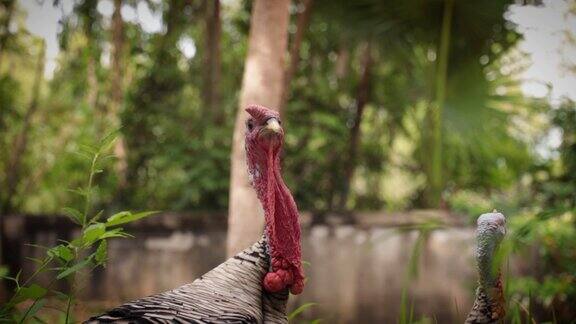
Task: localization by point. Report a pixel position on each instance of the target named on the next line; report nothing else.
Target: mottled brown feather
(230, 293)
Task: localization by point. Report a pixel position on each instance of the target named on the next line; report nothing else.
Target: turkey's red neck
(280, 211)
(264, 138)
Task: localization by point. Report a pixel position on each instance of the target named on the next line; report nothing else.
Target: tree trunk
(342, 61)
(262, 83)
(88, 13)
(8, 256)
(117, 90)
(20, 143)
(154, 86)
(212, 62)
(301, 27)
(6, 17)
(92, 82)
(361, 100)
(433, 192)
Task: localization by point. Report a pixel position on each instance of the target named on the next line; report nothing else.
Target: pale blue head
(490, 230)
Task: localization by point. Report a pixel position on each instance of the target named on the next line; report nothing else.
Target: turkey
(252, 286)
(489, 303)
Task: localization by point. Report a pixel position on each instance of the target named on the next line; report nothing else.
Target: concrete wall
(357, 269)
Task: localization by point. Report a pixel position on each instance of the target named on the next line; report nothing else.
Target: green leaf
(33, 291)
(77, 242)
(403, 306)
(80, 191)
(300, 309)
(15, 279)
(127, 217)
(93, 232)
(60, 295)
(35, 308)
(107, 157)
(62, 252)
(90, 149)
(74, 268)
(108, 140)
(74, 214)
(116, 218)
(117, 232)
(35, 260)
(39, 320)
(83, 155)
(101, 252)
(37, 246)
(96, 217)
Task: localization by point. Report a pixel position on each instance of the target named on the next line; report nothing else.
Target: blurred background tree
(364, 72)
(387, 105)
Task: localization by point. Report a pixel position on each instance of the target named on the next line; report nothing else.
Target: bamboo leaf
(60, 295)
(101, 252)
(35, 307)
(74, 214)
(93, 233)
(107, 142)
(97, 216)
(127, 217)
(117, 232)
(91, 150)
(33, 291)
(74, 268)
(62, 252)
(299, 310)
(80, 191)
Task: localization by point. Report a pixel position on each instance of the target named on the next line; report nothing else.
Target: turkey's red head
(264, 139)
(263, 131)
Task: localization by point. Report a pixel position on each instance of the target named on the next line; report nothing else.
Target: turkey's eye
(250, 124)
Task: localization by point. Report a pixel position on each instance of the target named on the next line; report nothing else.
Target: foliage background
(359, 118)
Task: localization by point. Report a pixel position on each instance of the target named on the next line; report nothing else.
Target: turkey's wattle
(264, 138)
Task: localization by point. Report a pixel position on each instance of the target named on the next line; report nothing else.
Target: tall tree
(7, 7)
(301, 27)
(262, 83)
(14, 170)
(20, 143)
(362, 97)
(432, 195)
(212, 61)
(90, 19)
(117, 89)
(158, 88)
(454, 37)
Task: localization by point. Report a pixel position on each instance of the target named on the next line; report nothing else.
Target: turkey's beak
(272, 127)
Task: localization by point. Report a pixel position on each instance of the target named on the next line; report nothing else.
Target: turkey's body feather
(485, 309)
(230, 293)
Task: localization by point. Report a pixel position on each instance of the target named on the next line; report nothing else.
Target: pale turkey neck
(489, 274)
(489, 305)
